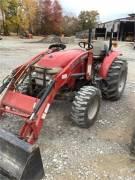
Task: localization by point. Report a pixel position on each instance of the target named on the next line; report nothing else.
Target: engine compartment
(35, 81)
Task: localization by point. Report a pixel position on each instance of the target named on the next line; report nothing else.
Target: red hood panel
(59, 59)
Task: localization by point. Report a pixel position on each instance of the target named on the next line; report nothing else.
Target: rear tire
(114, 85)
(85, 106)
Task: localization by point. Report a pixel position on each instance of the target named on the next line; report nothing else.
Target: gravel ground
(71, 153)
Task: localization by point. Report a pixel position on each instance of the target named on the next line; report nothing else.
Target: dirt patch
(50, 39)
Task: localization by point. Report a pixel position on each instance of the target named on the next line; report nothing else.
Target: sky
(108, 9)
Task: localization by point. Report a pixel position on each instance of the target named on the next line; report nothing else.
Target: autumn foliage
(42, 17)
(57, 17)
(51, 16)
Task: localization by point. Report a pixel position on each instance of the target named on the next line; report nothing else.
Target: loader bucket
(18, 159)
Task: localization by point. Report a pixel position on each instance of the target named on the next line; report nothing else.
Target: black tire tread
(110, 84)
(79, 105)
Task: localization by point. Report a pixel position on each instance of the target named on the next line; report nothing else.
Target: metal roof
(130, 18)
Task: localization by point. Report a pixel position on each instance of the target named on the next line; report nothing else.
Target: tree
(88, 19)
(18, 15)
(57, 17)
(29, 9)
(70, 25)
(50, 17)
(26, 15)
(46, 16)
(11, 15)
(4, 8)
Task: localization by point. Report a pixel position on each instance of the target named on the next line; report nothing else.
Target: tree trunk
(5, 27)
(3, 20)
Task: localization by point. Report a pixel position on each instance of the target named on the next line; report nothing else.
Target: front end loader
(18, 159)
(87, 73)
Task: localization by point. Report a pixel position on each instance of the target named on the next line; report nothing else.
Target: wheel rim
(93, 108)
(122, 82)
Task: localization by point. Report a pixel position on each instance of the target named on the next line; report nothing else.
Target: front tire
(85, 106)
(114, 85)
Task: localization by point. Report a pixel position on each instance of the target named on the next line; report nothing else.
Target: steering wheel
(85, 45)
(58, 46)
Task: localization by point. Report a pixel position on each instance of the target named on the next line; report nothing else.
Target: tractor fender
(107, 62)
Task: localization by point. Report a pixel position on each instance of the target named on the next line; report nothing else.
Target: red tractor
(87, 72)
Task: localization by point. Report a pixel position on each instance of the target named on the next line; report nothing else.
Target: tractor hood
(60, 58)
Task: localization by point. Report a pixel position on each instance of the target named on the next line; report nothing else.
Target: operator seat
(100, 49)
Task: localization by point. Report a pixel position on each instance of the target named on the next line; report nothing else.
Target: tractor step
(18, 159)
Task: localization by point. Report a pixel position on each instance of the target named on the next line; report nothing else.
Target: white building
(123, 28)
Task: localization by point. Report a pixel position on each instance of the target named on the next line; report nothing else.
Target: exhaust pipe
(18, 159)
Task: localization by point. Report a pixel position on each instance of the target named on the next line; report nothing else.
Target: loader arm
(32, 127)
(33, 110)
